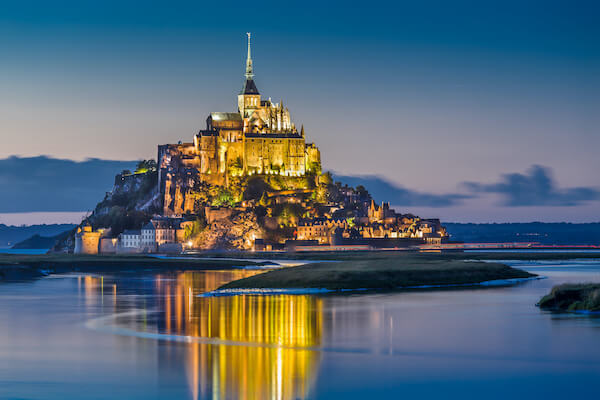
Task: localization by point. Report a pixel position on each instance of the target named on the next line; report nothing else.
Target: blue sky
(425, 95)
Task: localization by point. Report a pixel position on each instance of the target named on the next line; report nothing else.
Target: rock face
(237, 232)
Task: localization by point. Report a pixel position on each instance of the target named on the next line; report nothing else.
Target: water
(23, 251)
(149, 336)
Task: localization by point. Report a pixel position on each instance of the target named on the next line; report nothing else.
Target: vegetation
(287, 214)
(194, 229)
(122, 209)
(223, 197)
(382, 272)
(145, 166)
(573, 297)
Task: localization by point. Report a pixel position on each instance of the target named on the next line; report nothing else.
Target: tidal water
(149, 336)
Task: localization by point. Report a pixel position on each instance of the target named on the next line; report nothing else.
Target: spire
(249, 72)
(249, 85)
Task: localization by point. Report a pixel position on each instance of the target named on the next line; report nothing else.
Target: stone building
(260, 138)
(381, 214)
(87, 241)
(319, 229)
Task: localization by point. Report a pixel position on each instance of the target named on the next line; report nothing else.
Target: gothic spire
(249, 85)
(249, 72)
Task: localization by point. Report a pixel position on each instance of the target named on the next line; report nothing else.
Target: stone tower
(249, 98)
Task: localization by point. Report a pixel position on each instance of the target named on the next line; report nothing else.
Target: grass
(572, 297)
(381, 271)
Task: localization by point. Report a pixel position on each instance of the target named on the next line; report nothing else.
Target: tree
(193, 229)
(255, 188)
(144, 166)
(236, 167)
(264, 200)
(326, 179)
(223, 198)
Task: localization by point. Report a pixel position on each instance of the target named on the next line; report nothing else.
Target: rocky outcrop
(237, 232)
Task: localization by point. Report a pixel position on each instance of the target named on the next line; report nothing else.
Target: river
(147, 335)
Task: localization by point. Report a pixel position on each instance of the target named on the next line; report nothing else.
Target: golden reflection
(93, 290)
(266, 351)
(267, 359)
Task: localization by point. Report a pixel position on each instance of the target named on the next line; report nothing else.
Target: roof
(273, 135)
(131, 232)
(225, 116)
(165, 223)
(249, 87)
(148, 226)
(205, 132)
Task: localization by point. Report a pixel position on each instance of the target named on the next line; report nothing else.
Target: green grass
(381, 271)
(572, 297)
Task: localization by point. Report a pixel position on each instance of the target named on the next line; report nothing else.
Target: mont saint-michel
(395, 200)
(249, 179)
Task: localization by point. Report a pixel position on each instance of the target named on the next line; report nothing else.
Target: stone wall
(87, 241)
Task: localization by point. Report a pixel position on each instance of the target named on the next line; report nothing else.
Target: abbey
(260, 138)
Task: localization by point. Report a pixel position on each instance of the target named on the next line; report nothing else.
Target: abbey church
(260, 138)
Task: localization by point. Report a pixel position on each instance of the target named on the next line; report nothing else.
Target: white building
(148, 238)
(130, 239)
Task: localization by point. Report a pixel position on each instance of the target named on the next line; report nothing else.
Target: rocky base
(235, 233)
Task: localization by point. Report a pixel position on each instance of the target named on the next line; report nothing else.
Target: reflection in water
(273, 365)
(418, 344)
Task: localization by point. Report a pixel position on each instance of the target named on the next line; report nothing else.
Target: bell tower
(249, 98)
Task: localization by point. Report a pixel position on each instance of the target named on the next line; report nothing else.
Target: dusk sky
(444, 100)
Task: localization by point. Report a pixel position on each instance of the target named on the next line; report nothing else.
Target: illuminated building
(260, 138)
(87, 241)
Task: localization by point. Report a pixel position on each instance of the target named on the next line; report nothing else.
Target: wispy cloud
(383, 190)
(49, 184)
(536, 187)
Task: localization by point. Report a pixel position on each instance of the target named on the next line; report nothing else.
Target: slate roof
(149, 226)
(225, 116)
(249, 87)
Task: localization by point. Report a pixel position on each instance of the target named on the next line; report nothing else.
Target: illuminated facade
(87, 241)
(260, 138)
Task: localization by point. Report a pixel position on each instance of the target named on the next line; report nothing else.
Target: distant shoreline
(19, 267)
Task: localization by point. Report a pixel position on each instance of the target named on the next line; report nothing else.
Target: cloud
(49, 184)
(383, 190)
(534, 188)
